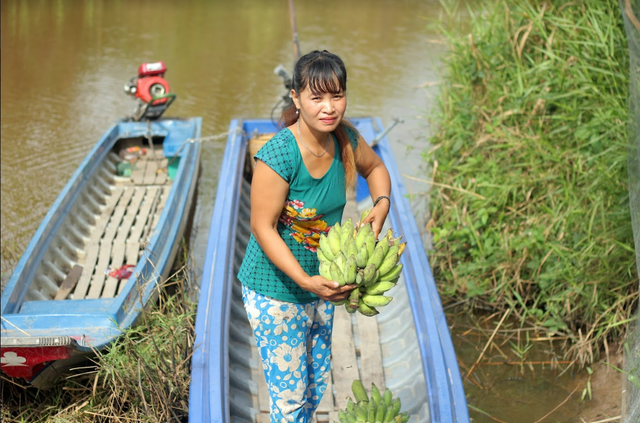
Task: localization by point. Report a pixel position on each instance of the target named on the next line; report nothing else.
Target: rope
(215, 137)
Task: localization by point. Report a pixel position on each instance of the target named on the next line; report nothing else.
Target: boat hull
(102, 251)
(406, 348)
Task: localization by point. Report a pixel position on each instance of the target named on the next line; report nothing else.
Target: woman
(298, 192)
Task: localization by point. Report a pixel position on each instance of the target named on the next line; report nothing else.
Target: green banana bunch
(350, 255)
(374, 408)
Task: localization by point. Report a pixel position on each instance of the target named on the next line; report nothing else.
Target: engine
(151, 89)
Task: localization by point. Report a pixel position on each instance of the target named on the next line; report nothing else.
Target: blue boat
(103, 250)
(407, 347)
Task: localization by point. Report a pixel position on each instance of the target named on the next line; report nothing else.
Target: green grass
(531, 139)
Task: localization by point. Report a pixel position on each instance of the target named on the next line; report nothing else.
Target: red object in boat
(152, 69)
(152, 86)
(123, 272)
(149, 83)
(27, 362)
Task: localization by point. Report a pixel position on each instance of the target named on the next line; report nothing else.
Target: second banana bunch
(350, 254)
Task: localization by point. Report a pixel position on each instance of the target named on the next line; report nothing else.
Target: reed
(530, 204)
(143, 377)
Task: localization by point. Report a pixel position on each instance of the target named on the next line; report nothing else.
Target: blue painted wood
(103, 320)
(209, 364)
(209, 391)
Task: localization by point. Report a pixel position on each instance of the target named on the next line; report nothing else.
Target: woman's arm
(371, 167)
(268, 195)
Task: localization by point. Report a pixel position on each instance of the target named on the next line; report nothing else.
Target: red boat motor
(151, 89)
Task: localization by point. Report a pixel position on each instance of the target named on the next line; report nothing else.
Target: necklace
(326, 144)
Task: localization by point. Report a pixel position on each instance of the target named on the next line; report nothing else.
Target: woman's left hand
(377, 216)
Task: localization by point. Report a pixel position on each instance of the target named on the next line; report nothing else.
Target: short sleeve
(277, 154)
(353, 137)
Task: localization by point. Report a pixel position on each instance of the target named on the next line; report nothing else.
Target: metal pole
(294, 30)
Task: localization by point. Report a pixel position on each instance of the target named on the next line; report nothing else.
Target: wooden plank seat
(123, 229)
(150, 168)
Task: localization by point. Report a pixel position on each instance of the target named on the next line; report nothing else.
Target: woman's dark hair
(324, 72)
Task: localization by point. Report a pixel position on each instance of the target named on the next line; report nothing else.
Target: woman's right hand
(327, 289)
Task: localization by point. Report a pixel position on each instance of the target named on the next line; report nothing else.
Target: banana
(393, 274)
(347, 231)
(325, 270)
(338, 229)
(364, 215)
(401, 248)
(389, 234)
(354, 301)
(362, 257)
(340, 260)
(336, 273)
(396, 406)
(381, 410)
(365, 310)
(322, 257)
(334, 239)
(376, 396)
(358, 390)
(351, 405)
(372, 413)
(342, 416)
(397, 419)
(338, 303)
(362, 234)
(359, 277)
(350, 269)
(384, 244)
(390, 260)
(388, 398)
(325, 248)
(379, 287)
(361, 413)
(352, 250)
(376, 258)
(376, 300)
(388, 415)
(370, 242)
(369, 275)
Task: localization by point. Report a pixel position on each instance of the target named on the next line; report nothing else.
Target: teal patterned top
(312, 206)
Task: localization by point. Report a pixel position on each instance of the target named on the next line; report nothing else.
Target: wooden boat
(122, 212)
(406, 348)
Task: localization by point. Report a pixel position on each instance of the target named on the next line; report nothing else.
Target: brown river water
(64, 64)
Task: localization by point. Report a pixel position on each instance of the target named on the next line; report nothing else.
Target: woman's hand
(377, 216)
(326, 289)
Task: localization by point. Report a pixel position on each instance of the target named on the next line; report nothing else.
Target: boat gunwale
(210, 384)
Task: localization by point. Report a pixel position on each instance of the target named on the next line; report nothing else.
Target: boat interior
(381, 350)
(108, 225)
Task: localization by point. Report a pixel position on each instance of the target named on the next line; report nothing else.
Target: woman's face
(321, 112)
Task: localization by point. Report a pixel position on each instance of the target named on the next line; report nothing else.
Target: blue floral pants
(294, 341)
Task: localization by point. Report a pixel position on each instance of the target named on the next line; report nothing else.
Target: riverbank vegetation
(530, 202)
(143, 377)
